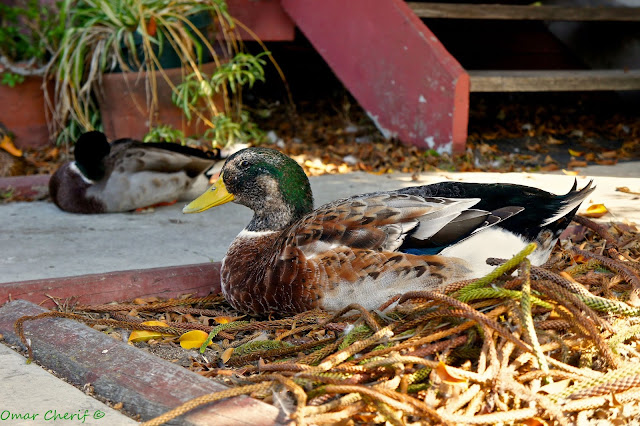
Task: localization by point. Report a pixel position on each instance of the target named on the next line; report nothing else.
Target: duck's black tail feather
(542, 209)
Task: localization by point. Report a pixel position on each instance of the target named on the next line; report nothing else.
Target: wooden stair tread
(553, 80)
(524, 12)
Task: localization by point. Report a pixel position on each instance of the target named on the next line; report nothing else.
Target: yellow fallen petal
(575, 153)
(145, 335)
(595, 210)
(570, 172)
(193, 339)
(226, 355)
(447, 375)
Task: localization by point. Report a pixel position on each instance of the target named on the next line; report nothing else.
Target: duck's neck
(270, 220)
(284, 204)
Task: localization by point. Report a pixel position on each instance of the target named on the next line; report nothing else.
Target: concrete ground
(31, 396)
(40, 241)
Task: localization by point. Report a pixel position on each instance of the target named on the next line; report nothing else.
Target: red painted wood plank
(200, 280)
(26, 187)
(393, 65)
(265, 18)
(145, 384)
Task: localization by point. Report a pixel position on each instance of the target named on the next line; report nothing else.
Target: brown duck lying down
(367, 248)
(128, 175)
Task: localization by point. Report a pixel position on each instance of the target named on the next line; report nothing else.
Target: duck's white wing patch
(496, 241)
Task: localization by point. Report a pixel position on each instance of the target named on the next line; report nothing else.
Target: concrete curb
(199, 279)
(145, 384)
(33, 396)
(32, 187)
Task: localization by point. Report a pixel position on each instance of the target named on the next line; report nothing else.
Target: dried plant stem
(599, 229)
(19, 325)
(462, 309)
(612, 376)
(501, 417)
(159, 306)
(435, 336)
(350, 409)
(454, 404)
(595, 402)
(529, 328)
(205, 399)
(341, 356)
(615, 265)
(554, 411)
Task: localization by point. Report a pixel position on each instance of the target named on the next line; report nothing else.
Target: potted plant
(29, 32)
(117, 59)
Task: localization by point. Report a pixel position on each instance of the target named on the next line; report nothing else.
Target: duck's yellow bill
(8, 146)
(216, 195)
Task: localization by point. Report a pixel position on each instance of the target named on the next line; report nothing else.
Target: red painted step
(393, 65)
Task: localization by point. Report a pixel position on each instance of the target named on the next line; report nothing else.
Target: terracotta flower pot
(22, 110)
(124, 104)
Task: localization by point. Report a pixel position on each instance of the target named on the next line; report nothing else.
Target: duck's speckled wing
(134, 157)
(375, 222)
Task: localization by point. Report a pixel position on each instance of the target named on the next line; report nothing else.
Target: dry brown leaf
(553, 141)
(226, 355)
(607, 162)
(550, 167)
(626, 190)
(609, 154)
(576, 163)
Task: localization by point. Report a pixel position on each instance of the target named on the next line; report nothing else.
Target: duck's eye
(244, 164)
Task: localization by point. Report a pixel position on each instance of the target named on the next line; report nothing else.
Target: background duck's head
(89, 152)
(268, 182)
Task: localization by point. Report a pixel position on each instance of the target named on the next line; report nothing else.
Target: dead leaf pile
(553, 344)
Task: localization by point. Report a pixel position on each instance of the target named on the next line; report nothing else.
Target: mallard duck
(368, 248)
(127, 175)
(11, 161)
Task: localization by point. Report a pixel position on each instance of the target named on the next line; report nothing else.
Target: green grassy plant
(29, 35)
(132, 35)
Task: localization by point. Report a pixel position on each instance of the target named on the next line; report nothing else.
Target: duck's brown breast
(260, 277)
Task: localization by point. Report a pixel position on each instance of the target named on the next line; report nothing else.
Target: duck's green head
(268, 182)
